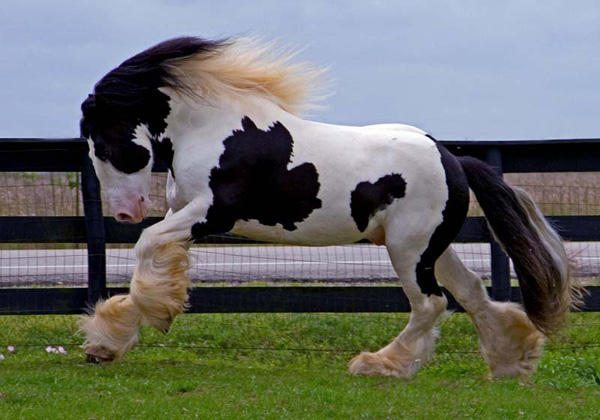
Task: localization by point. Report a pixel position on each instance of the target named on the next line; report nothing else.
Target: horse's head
(121, 151)
(124, 121)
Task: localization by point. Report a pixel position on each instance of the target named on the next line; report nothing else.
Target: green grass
(285, 366)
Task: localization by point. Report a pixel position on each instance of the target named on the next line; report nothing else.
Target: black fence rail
(70, 155)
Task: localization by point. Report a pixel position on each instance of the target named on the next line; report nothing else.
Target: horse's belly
(310, 232)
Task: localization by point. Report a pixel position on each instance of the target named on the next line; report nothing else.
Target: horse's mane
(207, 69)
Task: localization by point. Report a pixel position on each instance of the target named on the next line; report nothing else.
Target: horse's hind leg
(510, 343)
(415, 238)
(415, 344)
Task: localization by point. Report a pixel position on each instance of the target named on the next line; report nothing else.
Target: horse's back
(395, 127)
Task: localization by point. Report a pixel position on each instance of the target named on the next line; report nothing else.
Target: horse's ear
(89, 104)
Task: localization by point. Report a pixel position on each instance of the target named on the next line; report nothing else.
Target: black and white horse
(223, 117)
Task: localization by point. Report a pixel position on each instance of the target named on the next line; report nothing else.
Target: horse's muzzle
(132, 212)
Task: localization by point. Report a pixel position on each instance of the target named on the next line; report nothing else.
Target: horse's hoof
(522, 369)
(90, 358)
(377, 364)
(371, 364)
(99, 354)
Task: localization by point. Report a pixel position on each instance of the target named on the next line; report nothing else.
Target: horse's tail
(539, 257)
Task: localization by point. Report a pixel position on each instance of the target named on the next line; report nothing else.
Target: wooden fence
(70, 155)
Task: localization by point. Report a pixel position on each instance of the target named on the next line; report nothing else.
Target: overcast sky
(459, 69)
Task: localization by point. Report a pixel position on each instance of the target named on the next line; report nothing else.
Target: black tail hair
(538, 255)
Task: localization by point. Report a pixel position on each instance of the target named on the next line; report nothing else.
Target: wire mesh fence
(57, 194)
(37, 264)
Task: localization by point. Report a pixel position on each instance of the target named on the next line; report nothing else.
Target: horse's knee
(160, 236)
(159, 285)
(146, 244)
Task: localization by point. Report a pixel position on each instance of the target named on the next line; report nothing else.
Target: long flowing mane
(245, 65)
(210, 69)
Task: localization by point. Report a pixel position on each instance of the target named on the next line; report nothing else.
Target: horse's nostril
(142, 199)
(124, 217)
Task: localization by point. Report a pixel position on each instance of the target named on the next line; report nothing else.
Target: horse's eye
(101, 151)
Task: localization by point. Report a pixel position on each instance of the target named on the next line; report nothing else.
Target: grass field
(285, 366)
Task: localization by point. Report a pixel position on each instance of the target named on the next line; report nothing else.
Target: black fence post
(94, 224)
(500, 263)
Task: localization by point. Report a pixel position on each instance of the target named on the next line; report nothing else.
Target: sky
(480, 70)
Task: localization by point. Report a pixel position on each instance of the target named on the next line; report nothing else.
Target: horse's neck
(197, 131)
(197, 121)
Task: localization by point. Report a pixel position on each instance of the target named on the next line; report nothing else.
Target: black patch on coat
(453, 217)
(164, 152)
(253, 182)
(128, 96)
(367, 198)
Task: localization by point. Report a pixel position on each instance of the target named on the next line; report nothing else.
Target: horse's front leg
(158, 291)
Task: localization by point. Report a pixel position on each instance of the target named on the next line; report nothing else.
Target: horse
(224, 116)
